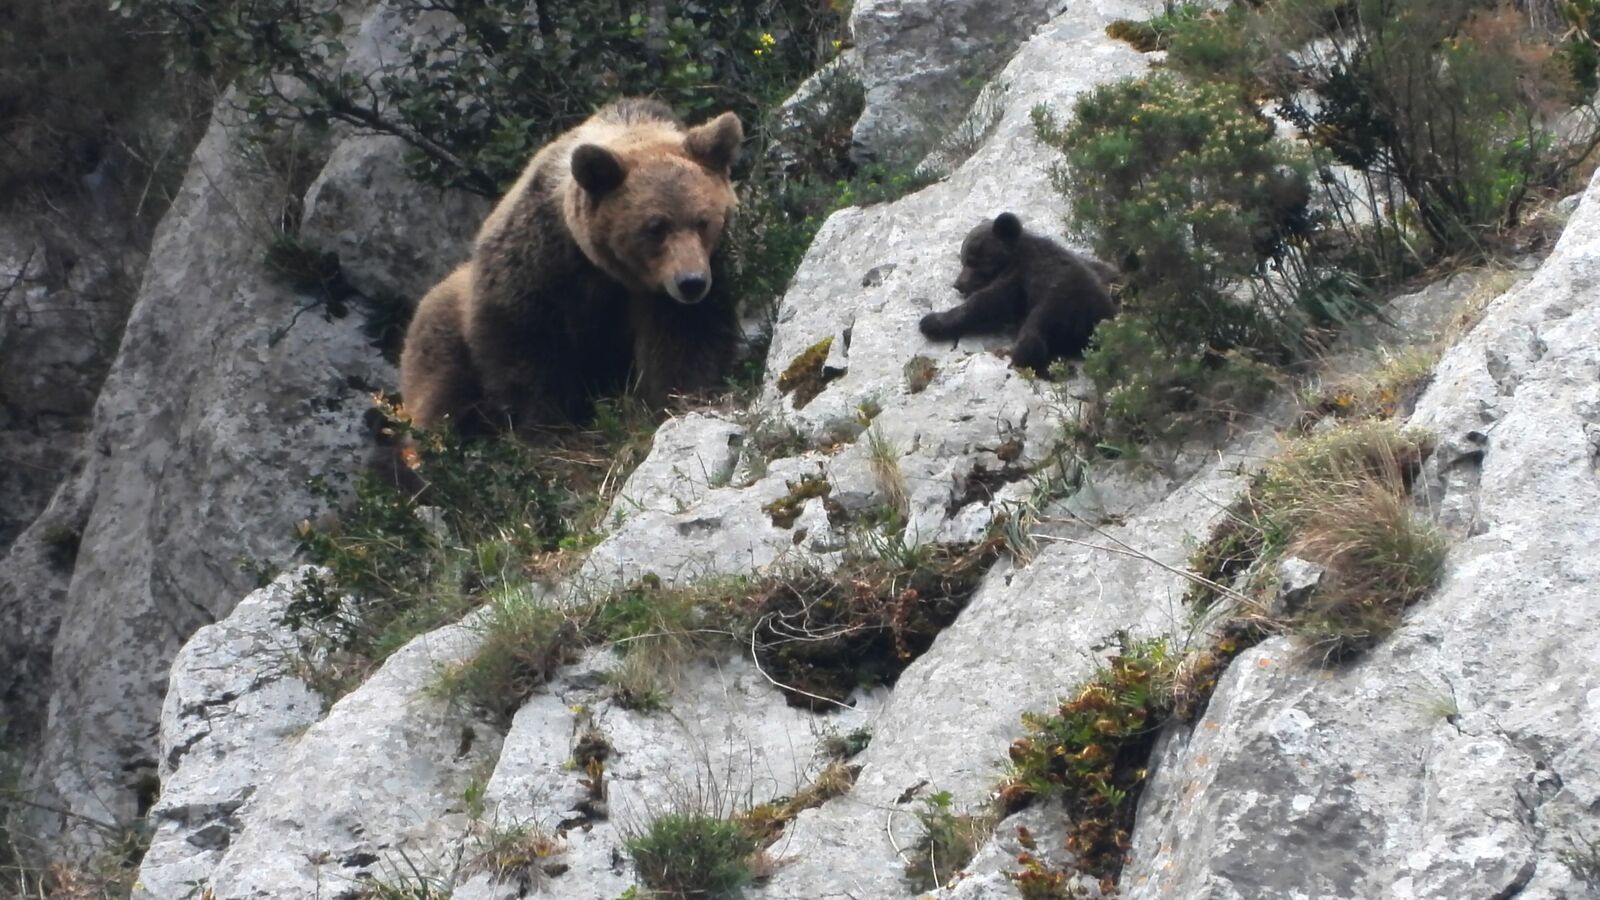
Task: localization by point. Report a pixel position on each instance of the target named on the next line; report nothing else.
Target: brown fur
(1009, 275)
(594, 270)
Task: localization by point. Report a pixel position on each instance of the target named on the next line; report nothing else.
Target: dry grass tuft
(1341, 500)
(884, 458)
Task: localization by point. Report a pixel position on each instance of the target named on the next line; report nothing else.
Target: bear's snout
(690, 287)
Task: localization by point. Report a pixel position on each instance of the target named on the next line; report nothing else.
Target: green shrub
(524, 641)
(948, 841)
(692, 855)
(1148, 391)
(1156, 33)
(492, 81)
(1450, 109)
(1188, 190)
(1207, 214)
(1091, 752)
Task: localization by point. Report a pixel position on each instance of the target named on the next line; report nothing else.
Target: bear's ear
(715, 144)
(597, 169)
(1007, 227)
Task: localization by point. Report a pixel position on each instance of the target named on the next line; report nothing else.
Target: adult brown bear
(592, 272)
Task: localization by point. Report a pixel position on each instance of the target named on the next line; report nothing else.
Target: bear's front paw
(1030, 353)
(934, 327)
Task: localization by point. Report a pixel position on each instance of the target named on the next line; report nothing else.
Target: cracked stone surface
(64, 296)
(395, 238)
(226, 394)
(229, 716)
(918, 60)
(1457, 759)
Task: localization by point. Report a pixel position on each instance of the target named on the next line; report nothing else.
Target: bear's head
(650, 214)
(989, 251)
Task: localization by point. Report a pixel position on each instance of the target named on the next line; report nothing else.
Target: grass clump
(884, 459)
(524, 641)
(521, 854)
(819, 635)
(1339, 499)
(1388, 389)
(948, 842)
(822, 635)
(1092, 751)
(493, 516)
(1154, 34)
(1342, 500)
(693, 855)
(656, 633)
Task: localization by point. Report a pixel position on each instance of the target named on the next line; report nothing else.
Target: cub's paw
(935, 327)
(1030, 353)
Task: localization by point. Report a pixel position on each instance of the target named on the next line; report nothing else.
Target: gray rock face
(231, 711)
(922, 62)
(63, 300)
(1458, 758)
(395, 238)
(227, 393)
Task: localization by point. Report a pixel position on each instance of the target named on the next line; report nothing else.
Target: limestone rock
(231, 710)
(1297, 578)
(394, 237)
(919, 60)
(64, 297)
(1457, 758)
(228, 392)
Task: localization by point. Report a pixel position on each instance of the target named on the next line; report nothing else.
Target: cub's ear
(715, 144)
(597, 169)
(1007, 227)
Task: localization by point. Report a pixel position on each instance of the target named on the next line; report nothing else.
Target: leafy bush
(476, 87)
(525, 640)
(1186, 187)
(1156, 33)
(1340, 499)
(1091, 752)
(1451, 110)
(1148, 392)
(1188, 190)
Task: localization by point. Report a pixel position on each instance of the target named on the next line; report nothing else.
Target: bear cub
(1010, 275)
(591, 276)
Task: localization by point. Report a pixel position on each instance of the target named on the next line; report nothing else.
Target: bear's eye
(702, 225)
(657, 228)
